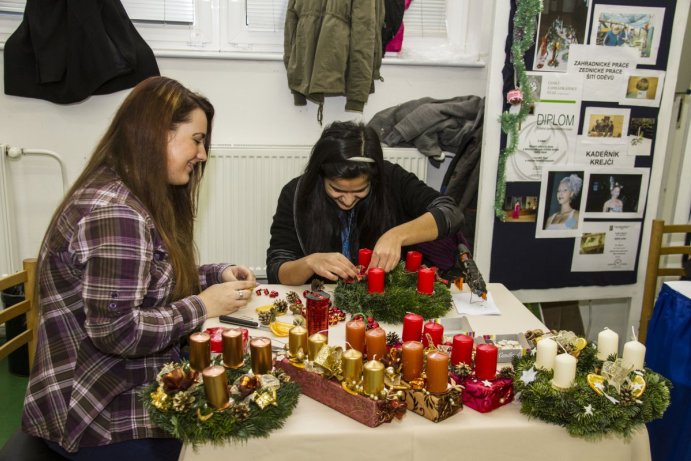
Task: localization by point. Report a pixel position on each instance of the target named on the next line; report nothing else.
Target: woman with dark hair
(118, 283)
(349, 198)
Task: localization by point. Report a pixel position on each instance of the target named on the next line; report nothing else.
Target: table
(316, 432)
(669, 353)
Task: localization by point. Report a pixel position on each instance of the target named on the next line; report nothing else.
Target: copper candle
(260, 350)
(314, 345)
(425, 281)
(352, 365)
(200, 350)
(375, 342)
(297, 339)
(462, 350)
(375, 280)
(437, 371)
(355, 335)
(216, 386)
(412, 327)
(486, 361)
(374, 377)
(412, 261)
(233, 355)
(412, 355)
(435, 331)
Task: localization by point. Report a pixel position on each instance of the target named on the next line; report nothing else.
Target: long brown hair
(135, 147)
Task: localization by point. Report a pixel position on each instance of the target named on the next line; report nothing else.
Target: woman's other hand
(227, 297)
(236, 273)
(331, 266)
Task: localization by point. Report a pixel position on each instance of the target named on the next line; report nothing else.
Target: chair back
(27, 278)
(659, 247)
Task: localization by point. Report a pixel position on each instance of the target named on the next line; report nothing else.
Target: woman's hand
(387, 251)
(227, 297)
(331, 266)
(235, 273)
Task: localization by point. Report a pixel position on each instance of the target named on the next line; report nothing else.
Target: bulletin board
(577, 184)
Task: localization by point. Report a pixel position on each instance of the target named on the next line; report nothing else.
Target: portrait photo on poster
(558, 29)
(644, 88)
(605, 125)
(627, 26)
(561, 202)
(618, 193)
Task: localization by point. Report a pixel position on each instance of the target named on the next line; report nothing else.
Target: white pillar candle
(564, 371)
(634, 353)
(546, 353)
(607, 344)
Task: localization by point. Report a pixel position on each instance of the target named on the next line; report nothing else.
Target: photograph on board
(644, 88)
(617, 193)
(641, 133)
(562, 24)
(520, 208)
(606, 125)
(561, 201)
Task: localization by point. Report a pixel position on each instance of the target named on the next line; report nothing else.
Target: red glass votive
(486, 361)
(462, 350)
(425, 281)
(412, 327)
(317, 312)
(375, 280)
(364, 257)
(412, 261)
(435, 331)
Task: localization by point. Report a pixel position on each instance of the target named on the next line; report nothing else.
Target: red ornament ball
(514, 96)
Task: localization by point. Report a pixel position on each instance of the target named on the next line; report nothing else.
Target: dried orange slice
(580, 344)
(280, 328)
(638, 386)
(264, 308)
(594, 380)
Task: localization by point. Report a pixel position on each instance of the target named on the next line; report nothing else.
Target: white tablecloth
(316, 432)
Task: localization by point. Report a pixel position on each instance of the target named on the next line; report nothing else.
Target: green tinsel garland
(236, 424)
(523, 38)
(400, 296)
(582, 411)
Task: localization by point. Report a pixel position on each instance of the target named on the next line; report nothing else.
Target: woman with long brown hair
(118, 281)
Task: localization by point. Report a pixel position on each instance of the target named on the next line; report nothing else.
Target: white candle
(564, 371)
(634, 353)
(607, 344)
(546, 353)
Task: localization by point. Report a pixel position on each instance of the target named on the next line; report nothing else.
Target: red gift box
(485, 395)
(216, 334)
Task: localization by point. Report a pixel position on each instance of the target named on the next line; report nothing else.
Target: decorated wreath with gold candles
(399, 297)
(232, 405)
(602, 397)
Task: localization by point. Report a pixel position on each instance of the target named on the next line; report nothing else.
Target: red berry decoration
(259, 291)
(273, 294)
(266, 291)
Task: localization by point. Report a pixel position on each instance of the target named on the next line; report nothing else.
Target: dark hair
(345, 150)
(135, 146)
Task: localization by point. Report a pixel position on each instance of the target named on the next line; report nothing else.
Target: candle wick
(562, 347)
(633, 331)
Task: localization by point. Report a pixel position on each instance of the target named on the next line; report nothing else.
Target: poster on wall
(604, 70)
(628, 26)
(548, 135)
(561, 200)
(617, 193)
(560, 25)
(606, 246)
(644, 88)
(606, 125)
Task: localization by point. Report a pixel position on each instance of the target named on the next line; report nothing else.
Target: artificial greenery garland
(400, 296)
(523, 38)
(581, 410)
(186, 415)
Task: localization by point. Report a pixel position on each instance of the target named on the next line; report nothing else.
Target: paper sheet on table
(469, 304)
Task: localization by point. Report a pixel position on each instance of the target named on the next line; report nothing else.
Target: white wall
(253, 106)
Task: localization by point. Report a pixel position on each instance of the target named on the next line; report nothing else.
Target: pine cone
(626, 396)
(266, 317)
(293, 298)
(280, 306)
(392, 339)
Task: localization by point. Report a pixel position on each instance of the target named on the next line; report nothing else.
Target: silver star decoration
(637, 386)
(612, 399)
(600, 386)
(487, 383)
(588, 410)
(528, 376)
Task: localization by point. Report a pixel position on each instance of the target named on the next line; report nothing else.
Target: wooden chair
(21, 446)
(658, 247)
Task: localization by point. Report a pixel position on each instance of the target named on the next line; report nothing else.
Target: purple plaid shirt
(107, 324)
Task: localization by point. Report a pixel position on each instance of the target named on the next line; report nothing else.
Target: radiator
(239, 194)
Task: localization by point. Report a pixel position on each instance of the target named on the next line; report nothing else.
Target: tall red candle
(412, 327)
(375, 280)
(425, 281)
(435, 330)
(364, 256)
(462, 350)
(413, 260)
(486, 361)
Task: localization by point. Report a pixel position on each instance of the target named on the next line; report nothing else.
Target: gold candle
(232, 348)
(297, 339)
(374, 377)
(260, 350)
(200, 351)
(216, 386)
(352, 365)
(314, 345)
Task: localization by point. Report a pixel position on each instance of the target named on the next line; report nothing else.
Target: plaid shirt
(107, 325)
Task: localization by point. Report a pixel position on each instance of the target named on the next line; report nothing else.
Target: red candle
(411, 357)
(462, 350)
(412, 327)
(435, 330)
(375, 341)
(413, 260)
(486, 361)
(355, 335)
(437, 371)
(375, 280)
(364, 256)
(425, 281)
